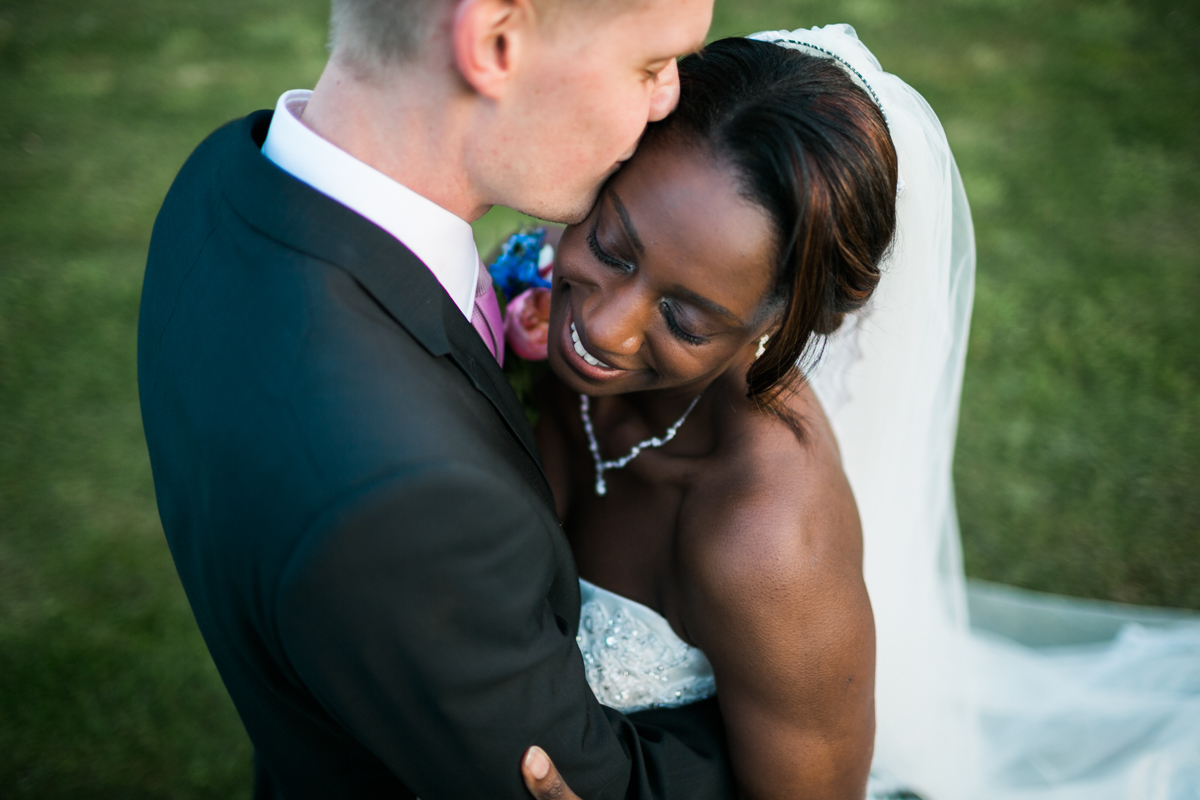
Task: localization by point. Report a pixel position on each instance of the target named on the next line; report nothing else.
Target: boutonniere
(522, 273)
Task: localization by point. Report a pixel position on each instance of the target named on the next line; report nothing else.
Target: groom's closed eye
(655, 68)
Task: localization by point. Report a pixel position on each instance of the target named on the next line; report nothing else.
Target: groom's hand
(542, 779)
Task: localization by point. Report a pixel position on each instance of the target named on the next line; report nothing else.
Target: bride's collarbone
(680, 504)
(733, 457)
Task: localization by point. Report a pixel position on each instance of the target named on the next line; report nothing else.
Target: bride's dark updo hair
(813, 150)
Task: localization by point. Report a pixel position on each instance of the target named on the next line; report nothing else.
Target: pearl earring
(762, 345)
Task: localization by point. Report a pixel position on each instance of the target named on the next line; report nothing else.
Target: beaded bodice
(633, 659)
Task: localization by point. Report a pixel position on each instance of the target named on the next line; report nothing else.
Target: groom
(350, 490)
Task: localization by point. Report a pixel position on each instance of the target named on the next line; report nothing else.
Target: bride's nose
(614, 325)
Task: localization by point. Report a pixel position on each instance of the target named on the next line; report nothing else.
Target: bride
(742, 349)
(695, 473)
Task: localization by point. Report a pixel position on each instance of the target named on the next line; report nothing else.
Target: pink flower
(527, 323)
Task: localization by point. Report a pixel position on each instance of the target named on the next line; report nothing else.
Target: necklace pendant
(594, 446)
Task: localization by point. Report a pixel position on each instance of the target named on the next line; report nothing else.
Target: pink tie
(486, 317)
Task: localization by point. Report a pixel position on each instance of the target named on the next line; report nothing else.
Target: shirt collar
(443, 241)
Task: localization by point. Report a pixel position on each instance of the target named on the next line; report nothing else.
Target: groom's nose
(666, 93)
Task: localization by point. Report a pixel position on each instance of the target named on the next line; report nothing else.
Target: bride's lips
(582, 351)
(576, 354)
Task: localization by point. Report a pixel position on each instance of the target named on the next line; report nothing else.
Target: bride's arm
(776, 599)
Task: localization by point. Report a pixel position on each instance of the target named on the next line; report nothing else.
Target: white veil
(964, 714)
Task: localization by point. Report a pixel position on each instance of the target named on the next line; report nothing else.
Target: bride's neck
(658, 409)
(662, 408)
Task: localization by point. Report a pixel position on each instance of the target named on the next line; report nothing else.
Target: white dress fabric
(1084, 700)
(633, 659)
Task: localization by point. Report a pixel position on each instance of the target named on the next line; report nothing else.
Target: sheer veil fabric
(968, 713)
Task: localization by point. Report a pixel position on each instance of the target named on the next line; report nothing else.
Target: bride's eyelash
(667, 311)
(673, 325)
(604, 257)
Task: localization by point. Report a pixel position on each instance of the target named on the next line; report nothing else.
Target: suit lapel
(292, 212)
(395, 284)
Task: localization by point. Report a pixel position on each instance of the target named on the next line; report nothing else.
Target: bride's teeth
(584, 354)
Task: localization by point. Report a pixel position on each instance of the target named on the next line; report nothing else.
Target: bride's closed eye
(603, 256)
(670, 315)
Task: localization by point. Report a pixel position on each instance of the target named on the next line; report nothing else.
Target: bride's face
(663, 285)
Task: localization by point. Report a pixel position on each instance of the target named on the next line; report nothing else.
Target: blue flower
(516, 268)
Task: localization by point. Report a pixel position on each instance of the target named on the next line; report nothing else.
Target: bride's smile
(578, 357)
(582, 352)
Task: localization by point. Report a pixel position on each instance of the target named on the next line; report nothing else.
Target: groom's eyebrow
(626, 222)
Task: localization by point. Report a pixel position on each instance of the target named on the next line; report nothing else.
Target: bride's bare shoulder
(770, 587)
(778, 465)
(775, 508)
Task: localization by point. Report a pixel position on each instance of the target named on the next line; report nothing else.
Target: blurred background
(1076, 124)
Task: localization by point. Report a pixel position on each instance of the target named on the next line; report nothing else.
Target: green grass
(1075, 124)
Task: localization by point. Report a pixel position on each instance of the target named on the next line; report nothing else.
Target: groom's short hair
(370, 35)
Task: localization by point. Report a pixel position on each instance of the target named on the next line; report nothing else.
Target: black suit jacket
(358, 514)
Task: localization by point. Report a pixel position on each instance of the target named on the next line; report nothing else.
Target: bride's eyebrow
(626, 222)
(705, 303)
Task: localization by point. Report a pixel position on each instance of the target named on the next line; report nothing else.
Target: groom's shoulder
(232, 138)
(190, 211)
(205, 166)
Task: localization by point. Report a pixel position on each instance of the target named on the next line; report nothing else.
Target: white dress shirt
(442, 240)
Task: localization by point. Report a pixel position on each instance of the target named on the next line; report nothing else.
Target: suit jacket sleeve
(417, 615)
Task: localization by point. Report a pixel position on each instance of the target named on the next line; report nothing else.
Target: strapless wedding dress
(635, 661)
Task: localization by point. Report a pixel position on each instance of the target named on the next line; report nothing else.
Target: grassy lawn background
(1076, 127)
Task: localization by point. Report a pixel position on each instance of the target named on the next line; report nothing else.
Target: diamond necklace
(601, 464)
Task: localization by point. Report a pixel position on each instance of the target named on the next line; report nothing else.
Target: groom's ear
(489, 36)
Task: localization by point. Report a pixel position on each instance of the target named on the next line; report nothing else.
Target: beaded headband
(855, 75)
(821, 52)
